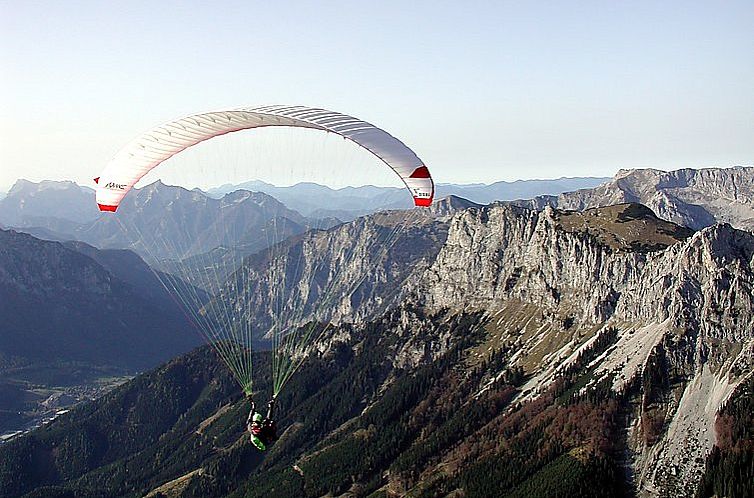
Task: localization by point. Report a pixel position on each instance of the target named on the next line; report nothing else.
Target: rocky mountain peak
(450, 205)
(695, 198)
(262, 200)
(27, 186)
(47, 203)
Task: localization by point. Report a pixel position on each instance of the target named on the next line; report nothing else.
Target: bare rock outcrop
(695, 198)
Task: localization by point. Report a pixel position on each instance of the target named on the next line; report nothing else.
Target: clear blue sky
(482, 91)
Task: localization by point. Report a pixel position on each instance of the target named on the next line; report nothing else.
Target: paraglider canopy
(144, 153)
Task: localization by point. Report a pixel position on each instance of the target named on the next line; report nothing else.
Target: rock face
(685, 307)
(553, 284)
(354, 270)
(688, 197)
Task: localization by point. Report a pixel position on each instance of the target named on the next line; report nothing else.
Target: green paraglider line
(301, 341)
(222, 344)
(233, 340)
(231, 335)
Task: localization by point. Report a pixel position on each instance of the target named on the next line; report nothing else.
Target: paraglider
(227, 327)
(262, 430)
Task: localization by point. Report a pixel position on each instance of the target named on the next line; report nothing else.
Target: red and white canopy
(144, 153)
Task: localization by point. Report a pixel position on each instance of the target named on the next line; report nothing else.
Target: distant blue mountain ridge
(35, 203)
(314, 200)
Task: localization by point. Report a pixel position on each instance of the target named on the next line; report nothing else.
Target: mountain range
(157, 221)
(731, 205)
(55, 204)
(477, 367)
(185, 232)
(597, 348)
(347, 203)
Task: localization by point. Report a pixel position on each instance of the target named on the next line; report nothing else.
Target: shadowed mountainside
(59, 304)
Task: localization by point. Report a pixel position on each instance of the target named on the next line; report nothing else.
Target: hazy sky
(482, 91)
